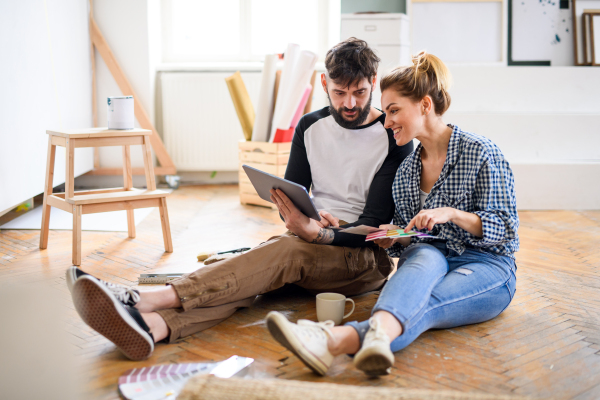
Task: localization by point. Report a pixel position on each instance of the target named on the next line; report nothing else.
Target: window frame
(326, 24)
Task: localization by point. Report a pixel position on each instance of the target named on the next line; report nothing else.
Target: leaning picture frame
(578, 9)
(594, 34)
(586, 36)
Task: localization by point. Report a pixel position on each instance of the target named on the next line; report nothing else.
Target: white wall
(545, 120)
(132, 30)
(45, 77)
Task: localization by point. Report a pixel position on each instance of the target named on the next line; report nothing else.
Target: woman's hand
(427, 219)
(386, 243)
(328, 220)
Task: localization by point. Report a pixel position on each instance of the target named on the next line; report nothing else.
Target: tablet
(264, 182)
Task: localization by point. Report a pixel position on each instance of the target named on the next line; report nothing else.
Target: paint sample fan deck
(373, 233)
(166, 381)
(396, 233)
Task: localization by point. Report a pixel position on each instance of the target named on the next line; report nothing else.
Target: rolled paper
(287, 75)
(266, 97)
(283, 136)
(287, 135)
(242, 103)
(303, 70)
(275, 91)
(308, 105)
(300, 110)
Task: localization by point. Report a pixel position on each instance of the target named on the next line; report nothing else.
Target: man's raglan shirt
(350, 171)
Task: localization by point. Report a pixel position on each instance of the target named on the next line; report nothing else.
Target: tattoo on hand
(325, 236)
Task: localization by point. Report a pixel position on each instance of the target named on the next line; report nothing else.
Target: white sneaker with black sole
(121, 324)
(306, 339)
(375, 357)
(126, 295)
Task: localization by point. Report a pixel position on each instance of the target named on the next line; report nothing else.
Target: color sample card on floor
(166, 381)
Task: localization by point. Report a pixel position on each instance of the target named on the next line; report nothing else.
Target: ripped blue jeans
(435, 287)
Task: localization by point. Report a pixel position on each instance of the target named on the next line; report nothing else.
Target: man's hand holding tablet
(298, 223)
(294, 205)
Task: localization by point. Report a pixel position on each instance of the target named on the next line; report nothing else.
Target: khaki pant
(214, 292)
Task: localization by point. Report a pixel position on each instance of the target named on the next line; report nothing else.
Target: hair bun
(427, 75)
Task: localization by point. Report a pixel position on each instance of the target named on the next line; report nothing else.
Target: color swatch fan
(166, 381)
(373, 233)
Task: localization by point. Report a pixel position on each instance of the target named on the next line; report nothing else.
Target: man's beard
(363, 113)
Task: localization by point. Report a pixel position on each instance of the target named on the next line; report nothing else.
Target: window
(245, 30)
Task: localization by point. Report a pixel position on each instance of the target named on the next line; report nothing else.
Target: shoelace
(376, 333)
(122, 293)
(322, 326)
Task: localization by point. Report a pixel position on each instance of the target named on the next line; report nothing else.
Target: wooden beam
(134, 171)
(126, 89)
(312, 91)
(93, 58)
(103, 142)
(94, 95)
(120, 205)
(58, 141)
(57, 202)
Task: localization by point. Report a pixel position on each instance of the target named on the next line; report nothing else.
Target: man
(347, 158)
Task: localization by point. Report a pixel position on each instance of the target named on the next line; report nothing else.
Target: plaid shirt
(476, 178)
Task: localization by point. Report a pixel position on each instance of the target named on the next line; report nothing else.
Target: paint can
(120, 112)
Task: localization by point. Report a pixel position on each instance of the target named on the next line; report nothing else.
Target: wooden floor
(546, 344)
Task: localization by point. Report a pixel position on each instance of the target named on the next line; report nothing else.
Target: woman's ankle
(345, 340)
(389, 323)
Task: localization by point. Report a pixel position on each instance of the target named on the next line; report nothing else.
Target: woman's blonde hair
(427, 76)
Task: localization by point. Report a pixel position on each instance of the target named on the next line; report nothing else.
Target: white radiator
(200, 126)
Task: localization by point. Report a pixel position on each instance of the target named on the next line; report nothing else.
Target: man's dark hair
(351, 61)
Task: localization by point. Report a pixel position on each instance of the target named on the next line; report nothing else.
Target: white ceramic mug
(330, 306)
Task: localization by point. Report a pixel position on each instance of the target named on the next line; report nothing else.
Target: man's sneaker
(122, 325)
(306, 339)
(126, 295)
(375, 356)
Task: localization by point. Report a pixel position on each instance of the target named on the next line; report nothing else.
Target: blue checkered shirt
(476, 178)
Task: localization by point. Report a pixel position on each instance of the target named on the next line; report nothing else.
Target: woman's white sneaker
(375, 356)
(306, 339)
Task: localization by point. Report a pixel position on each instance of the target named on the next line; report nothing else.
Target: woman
(458, 187)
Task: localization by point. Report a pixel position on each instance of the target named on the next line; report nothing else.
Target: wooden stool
(102, 200)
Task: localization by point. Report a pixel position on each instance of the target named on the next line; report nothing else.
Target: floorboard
(545, 344)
